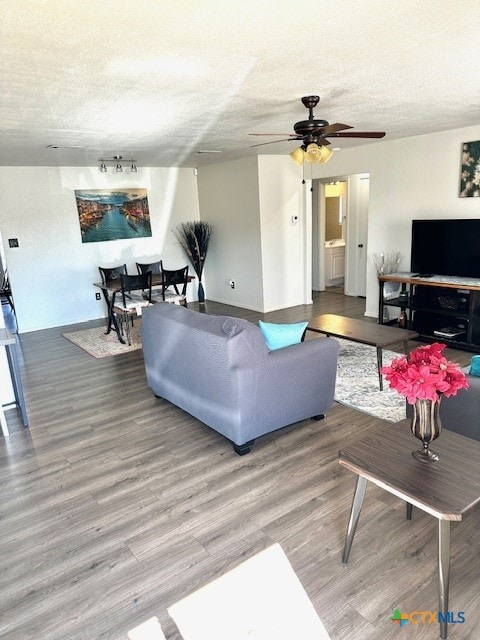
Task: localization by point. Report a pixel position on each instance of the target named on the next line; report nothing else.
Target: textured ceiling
(160, 80)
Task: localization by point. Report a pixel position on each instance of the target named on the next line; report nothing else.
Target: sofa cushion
(475, 366)
(278, 336)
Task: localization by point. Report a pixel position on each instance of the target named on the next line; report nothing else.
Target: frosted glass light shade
(297, 155)
(326, 154)
(317, 155)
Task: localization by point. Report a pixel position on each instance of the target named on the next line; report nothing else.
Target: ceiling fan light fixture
(326, 154)
(297, 155)
(317, 155)
(312, 153)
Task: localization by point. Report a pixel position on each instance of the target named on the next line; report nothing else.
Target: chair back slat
(112, 273)
(154, 267)
(138, 282)
(176, 277)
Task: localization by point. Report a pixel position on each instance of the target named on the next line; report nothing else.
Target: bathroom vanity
(334, 262)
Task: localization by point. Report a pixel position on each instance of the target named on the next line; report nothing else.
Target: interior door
(355, 219)
(318, 236)
(362, 233)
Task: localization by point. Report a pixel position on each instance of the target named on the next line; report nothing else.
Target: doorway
(339, 233)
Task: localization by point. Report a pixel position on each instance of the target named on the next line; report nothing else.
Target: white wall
(229, 199)
(284, 257)
(412, 178)
(52, 271)
(251, 202)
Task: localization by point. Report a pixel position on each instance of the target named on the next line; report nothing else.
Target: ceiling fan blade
(321, 142)
(332, 128)
(357, 134)
(273, 141)
(270, 134)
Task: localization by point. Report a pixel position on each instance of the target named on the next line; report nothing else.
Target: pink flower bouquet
(425, 374)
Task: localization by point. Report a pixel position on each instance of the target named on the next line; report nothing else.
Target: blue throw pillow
(282, 335)
(475, 366)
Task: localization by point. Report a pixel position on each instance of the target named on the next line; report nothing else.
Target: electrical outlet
(232, 284)
(97, 296)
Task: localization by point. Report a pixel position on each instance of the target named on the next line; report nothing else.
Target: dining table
(110, 288)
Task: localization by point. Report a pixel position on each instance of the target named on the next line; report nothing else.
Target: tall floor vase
(201, 292)
(426, 426)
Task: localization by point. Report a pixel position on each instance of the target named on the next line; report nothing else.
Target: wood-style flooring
(114, 505)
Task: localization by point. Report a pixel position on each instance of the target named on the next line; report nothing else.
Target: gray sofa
(218, 369)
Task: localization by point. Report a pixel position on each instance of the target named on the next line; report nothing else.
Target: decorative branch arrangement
(194, 238)
(387, 262)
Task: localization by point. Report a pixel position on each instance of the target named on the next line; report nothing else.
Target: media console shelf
(441, 308)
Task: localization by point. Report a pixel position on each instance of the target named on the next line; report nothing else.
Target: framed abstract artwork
(113, 214)
(470, 176)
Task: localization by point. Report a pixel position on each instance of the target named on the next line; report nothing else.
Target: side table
(446, 489)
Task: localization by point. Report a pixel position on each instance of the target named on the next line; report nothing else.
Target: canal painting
(113, 214)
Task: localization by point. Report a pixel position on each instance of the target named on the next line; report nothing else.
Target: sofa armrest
(288, 385)
(311, 356)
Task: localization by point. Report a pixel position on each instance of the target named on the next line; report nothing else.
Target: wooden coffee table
(446, 489)
(370, 333)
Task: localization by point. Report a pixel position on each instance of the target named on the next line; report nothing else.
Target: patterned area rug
(97, 344)
(357, 382)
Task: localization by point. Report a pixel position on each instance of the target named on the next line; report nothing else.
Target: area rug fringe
(100, 345)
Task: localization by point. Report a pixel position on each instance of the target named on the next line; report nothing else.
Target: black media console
(439, 308)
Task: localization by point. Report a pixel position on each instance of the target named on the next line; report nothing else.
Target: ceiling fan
(314, 133)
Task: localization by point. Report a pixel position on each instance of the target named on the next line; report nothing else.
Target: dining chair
(5, 290)
(154, 267)
(260, 598)
(178, 279)
(112, 273)
(136, 293)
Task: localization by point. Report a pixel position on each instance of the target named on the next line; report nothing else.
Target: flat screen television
(446, 247)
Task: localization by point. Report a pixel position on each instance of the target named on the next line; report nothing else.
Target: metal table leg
(379, 366)
(443, 573)
(354, 515)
